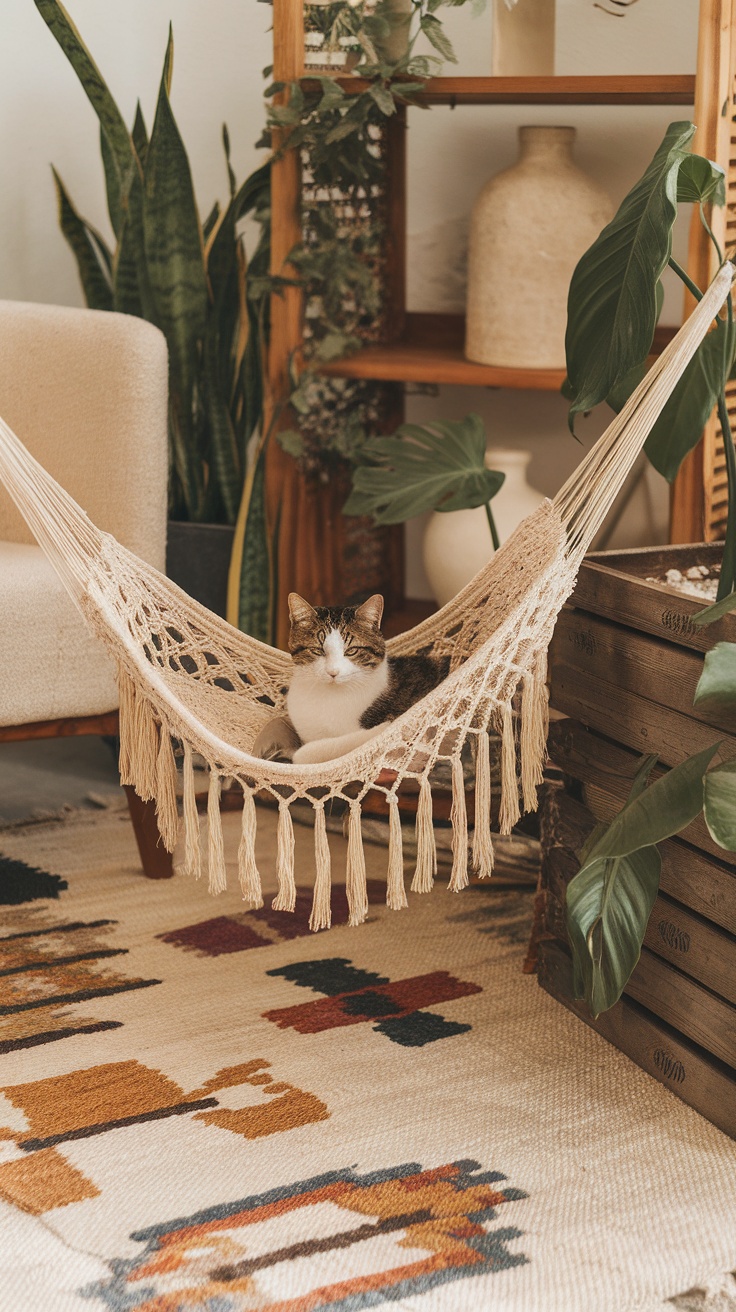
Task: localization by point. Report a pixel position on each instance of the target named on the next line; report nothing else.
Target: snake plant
(186, 276)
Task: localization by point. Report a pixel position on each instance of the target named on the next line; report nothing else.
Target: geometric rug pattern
(209, 1109)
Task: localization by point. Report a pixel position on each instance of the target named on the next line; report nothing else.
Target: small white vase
(458, 543)
(523, 38)
(528, 229)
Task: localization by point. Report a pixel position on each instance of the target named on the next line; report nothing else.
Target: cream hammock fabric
(184, 674)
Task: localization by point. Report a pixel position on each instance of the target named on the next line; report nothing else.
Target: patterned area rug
(207, 1109)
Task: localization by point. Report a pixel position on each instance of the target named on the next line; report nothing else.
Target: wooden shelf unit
(662, 89)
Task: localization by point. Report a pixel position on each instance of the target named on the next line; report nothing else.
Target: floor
(46, 776)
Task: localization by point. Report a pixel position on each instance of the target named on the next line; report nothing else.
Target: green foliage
(719, 809)
(614, 305)
(189, 281)
(610, 898)
(437, 467)
(716, 688)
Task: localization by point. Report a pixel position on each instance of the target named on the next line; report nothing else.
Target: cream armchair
(87, 394)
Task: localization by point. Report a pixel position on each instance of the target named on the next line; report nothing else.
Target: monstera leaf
(438, 467)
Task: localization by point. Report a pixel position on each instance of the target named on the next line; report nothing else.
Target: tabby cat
(344, 688)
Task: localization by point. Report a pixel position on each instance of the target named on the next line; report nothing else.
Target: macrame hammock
(186, 676)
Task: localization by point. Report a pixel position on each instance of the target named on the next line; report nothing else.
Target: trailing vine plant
(340, 264)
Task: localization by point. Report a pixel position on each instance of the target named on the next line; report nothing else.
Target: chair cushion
(52, 667)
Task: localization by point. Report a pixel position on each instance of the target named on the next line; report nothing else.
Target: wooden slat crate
(625, 661)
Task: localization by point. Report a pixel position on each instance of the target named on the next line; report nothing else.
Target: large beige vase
(528, 229)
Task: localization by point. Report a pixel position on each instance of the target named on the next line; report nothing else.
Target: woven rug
(203, 1108)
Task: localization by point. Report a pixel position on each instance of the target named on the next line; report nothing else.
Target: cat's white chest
(318, 709)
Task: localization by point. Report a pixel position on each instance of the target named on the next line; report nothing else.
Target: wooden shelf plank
(623, 89)
(431, 351)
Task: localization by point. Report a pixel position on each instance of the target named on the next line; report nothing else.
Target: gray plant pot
(198, 559)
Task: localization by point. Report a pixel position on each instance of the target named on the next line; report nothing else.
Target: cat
(344, 688)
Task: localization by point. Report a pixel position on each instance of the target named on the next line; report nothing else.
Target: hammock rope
(186, 675)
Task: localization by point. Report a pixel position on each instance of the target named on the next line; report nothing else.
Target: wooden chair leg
(156, 861)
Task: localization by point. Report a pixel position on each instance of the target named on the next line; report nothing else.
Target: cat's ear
(371, 610)
(300, 611)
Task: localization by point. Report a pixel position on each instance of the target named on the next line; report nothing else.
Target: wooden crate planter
(625, 661)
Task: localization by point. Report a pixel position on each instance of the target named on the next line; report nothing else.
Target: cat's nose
(332, 674)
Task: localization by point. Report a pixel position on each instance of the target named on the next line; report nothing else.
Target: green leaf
(440, 466)
(223, 447)
(700, 180)
(436, 35)
(717, 683)
(174, 258)
(122, 155)
(94, 276)
(256, 563)
(608, 906)
(663, 809)
(292, 442)
(680, 425)
(716, 611)
(719, 808)
(612, 303)
(140, 135)
(383, 99)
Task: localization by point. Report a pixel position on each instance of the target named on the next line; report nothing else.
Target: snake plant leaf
(140, 135)
(437, 467)
(680, 425)
(112, 184)
(250, 588)
(111, 120)
(717, 684)
(719, 807)
(701, 180)
(174, 258)
(612, 303)
(223, 448)
(94, 274)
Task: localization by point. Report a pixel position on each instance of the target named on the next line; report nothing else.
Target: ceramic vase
(523, 43)
(458, 543)
(528, 229)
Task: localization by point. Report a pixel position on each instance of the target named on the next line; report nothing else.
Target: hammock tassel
(216, 853)
(144, 750)
(126, 714)
(509, 812)
(395, 891)
(192, 849)
(250, 879)
(459, 822)
(426, 849)
(482, 844)
(285, 899)
(534, 720)
(321, 917)
(167, 812)
(355, 877)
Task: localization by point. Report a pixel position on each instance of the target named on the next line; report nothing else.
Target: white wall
(220, 51)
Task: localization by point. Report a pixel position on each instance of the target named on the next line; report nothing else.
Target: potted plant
(189, 277)
(640, 853)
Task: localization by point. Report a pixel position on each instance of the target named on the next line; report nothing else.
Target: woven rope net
(187, 677)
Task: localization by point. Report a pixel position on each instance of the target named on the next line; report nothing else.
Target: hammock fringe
(534, 725)
(355, 876)
(509, 811)
(426, 868)
(482, 842)
(321, 917)
(192, 834)
(395, 891)
(216, 846)
(248, 873)
(459, 822)
(167, 811)
(285, 899)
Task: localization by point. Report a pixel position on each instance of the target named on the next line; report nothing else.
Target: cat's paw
(314, 753)
(277, 741)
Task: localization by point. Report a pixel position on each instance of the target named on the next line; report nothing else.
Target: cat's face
(338, 644)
